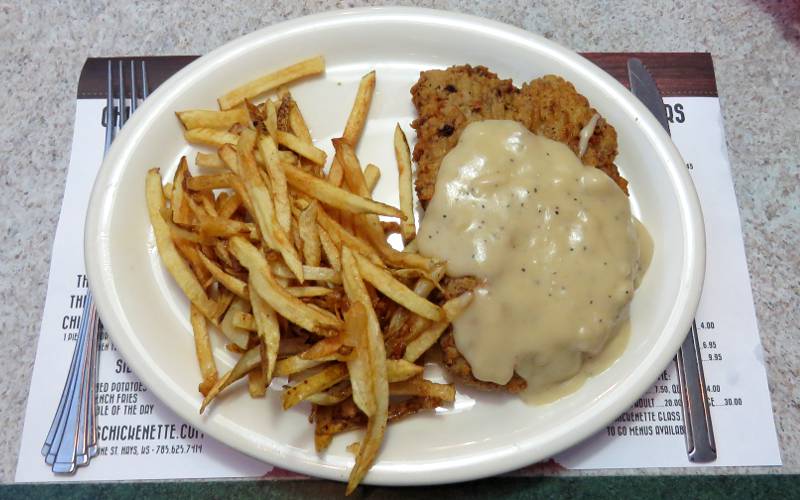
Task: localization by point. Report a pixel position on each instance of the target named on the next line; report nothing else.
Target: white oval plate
(483, 434)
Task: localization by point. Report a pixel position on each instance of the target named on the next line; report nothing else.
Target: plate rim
(693, 268)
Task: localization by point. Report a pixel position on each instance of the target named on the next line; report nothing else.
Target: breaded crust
(448, 100)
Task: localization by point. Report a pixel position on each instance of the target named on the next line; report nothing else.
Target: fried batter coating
(448, 100)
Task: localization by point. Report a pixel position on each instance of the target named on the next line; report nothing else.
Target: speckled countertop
(756, 50)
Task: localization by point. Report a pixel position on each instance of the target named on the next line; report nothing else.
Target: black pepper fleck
(447, 130)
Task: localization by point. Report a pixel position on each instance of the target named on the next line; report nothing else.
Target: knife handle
(700, 444)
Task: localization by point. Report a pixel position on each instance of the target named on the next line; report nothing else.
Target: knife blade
(699, 431)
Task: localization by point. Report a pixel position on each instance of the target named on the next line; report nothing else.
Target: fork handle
(66, 444)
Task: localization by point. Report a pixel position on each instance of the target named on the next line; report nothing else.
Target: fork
(72, 438)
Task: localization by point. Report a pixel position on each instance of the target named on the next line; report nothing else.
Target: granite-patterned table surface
(756, 50)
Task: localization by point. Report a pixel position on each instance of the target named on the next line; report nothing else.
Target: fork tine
(133, 87)
(145, 90)
(121, 84)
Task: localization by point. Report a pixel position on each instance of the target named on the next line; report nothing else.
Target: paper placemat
(140, 438)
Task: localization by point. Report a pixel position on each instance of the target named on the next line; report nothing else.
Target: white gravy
(556, 246)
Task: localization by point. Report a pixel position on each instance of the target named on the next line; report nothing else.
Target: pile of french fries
(287, 258)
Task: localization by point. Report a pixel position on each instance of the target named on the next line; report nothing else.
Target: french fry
(227, 153)
(359, 366)
(336, 197)
(276, 296)
(397, 370)
(264, 211)
(304, 149)
(288, 157)
(283, 109)
(223, 302)
(208, 182)
(280, 190)
(334, 230)
(268, 333)
(418, 386)
(271, 120)
(314, 383)
(222, 254)
(427, 338)
(181, 211)
(236, 335)
(358, 114)
(384, 281)
(230, 206)
(370, 351)
(335, 174)
(371, 225)
(232, 283)
(308, 291)
(372, 174)
(210, 137)
(202, 346)
(296, 239)
(311, 273)
(245, 321)
(309, 234)
(403, 157)
(298, 124)
(295, 364)
(323, 425)
(328, 399)
(208, 160)
(256, 385)
(394, 228)
(249, 360)
(290, 345)
(222, 227)
(264, 84)
(191, 254)
(330, 249)
(207, 201)
(273, 253)
(423, 288)
(172, 260)
(201, 118)
(221, 198)
(325, 348)
(178, 232)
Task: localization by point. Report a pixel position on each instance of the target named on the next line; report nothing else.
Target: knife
(699, 433)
